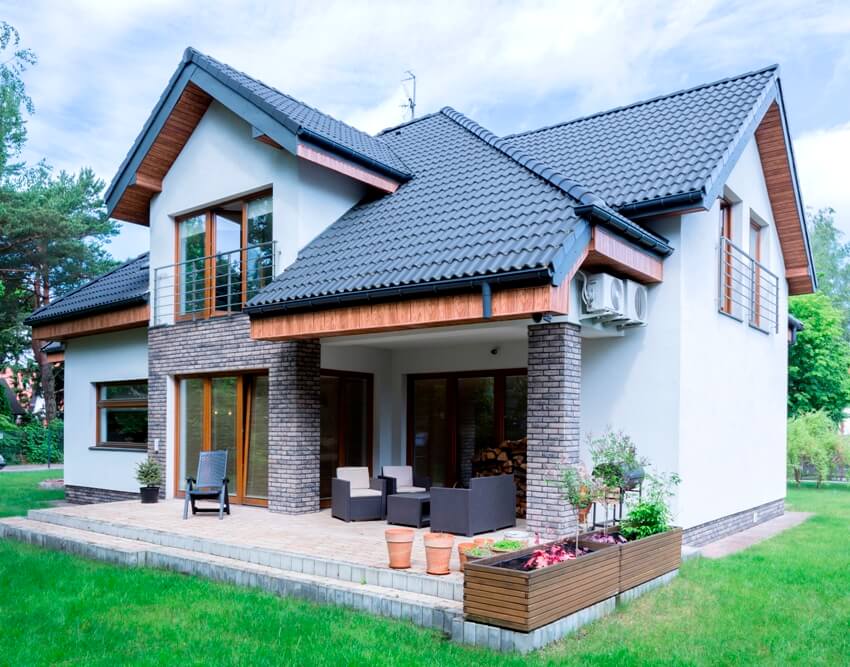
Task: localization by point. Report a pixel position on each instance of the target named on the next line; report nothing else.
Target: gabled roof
(283, 119)
(658, 148)
(477, 209)
(125, 285)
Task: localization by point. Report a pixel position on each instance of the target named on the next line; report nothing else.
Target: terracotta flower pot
(399, 546)
(582, 514)
(483, 541)
(461, 552)
(438, 552)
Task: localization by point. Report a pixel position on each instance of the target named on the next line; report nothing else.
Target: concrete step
(424, 610)
(408, 582)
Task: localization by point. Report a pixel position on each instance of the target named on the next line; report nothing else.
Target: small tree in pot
(149, 477)
(580, 490)
(615, 461)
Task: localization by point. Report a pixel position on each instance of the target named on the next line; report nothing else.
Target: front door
(228, 412)
(346, 425)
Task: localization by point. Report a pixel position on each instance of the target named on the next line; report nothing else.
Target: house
(315, 296)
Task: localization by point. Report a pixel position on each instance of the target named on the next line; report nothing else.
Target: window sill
(730, 315)
(106, 448)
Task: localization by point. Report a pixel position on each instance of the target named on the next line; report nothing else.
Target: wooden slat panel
(776, 167)
(608, 251)
(126, 318)
(649, 558)
(348, 168)
(514, 303)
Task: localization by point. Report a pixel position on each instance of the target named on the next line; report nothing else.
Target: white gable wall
(110, 357)
(733, 377)
(221, 161)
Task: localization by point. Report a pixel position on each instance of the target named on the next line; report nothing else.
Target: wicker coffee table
(409, 509)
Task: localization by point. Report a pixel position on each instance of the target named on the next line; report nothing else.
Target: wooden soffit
(608, 252)
(114, 320)
(433, 311)
(779, 177)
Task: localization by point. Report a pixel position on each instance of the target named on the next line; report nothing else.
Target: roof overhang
(90, 323)
(176, 115)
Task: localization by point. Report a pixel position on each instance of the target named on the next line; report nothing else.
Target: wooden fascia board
(143, 182)
(606, 249)
(316, 155)
(114, 320)
(148, 137)
(427, 312)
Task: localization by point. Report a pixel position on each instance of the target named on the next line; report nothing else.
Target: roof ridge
(651, 100)
(94, 280)
(405, 123)
(191, 53)
(572, 188)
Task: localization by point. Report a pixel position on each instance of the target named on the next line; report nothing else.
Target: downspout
(486, 300)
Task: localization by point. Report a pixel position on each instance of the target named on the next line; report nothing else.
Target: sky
(511, 66)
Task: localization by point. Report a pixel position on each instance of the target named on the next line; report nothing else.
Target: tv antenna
(410, 105)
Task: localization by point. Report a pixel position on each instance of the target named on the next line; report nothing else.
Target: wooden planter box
(526, 600)
(646, 559)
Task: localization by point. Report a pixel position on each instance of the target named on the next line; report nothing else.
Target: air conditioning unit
(636, 303)
(604, 297)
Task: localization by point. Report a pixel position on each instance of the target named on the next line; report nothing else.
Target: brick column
(294, 442)
(554, 389)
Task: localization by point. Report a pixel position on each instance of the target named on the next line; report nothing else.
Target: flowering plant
(552, 556)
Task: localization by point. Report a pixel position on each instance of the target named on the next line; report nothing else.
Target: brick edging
(87, 495)
(710, 531)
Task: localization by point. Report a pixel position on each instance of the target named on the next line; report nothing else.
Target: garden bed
(498, 591)
(645, 559)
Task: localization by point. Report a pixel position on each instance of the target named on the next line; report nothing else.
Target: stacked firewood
(509, 457)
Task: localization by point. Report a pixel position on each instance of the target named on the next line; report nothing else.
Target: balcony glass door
(226, 413)
(227, 263)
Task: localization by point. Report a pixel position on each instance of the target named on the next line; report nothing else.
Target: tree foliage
(14, 100)
(819, 363)
(831, 255)
(814, 442)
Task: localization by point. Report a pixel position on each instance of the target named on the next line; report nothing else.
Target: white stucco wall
(733, 377)
(122, 355)
(222, 162)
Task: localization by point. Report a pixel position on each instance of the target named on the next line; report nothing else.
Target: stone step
(409, 582)
(424, 610)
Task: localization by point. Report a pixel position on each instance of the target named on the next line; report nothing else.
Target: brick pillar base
(554, 389)
(294, 441)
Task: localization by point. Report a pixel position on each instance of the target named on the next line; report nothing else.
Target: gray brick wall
(225, 344)
(554, 390)
(87, 495)
(733, 523)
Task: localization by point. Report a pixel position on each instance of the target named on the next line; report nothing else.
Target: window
(755, 253)
(122, 414)
(727, 260)
(224, 256)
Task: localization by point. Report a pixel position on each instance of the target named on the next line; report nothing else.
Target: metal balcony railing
(747, 288)
(213, 285)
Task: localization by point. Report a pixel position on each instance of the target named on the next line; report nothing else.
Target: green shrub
(27, 443)
(813, 441)
(651, 514)
(148, 473)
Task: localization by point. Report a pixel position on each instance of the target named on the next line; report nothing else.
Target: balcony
(211, 286)
(747, 289)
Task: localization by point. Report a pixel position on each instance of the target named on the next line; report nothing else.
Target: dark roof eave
(354, 156)
(523, 276)
(626, 228)
(666, 204)
(34, 320)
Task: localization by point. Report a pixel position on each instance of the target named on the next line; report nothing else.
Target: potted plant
(504, 546)
(149, 477)
(580, 490)
(399, 546)
(615, 461)
(438, 552)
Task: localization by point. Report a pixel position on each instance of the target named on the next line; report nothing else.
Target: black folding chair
(211, 484)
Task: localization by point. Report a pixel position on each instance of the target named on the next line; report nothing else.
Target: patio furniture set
(405, 499)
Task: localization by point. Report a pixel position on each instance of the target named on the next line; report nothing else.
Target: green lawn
(786, 601)
(19, 491)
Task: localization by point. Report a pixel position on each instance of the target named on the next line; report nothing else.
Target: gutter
(454, 285)
(619, 224)
(662, 204)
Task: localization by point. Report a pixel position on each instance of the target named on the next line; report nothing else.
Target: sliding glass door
(346, 424)
(226, 413)
(451, 417)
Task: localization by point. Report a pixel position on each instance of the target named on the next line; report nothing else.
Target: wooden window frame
(755, 253)
(104, 403)
(237, 487)
(726, 231)
(499, 385)
(209, 309)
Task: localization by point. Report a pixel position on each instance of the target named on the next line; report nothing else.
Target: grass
(19, 491)
(784, 601)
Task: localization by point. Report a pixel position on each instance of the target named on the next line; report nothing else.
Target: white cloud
(823, 166)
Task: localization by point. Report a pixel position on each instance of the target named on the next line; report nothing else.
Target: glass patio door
(346, 425)
(226, 413)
